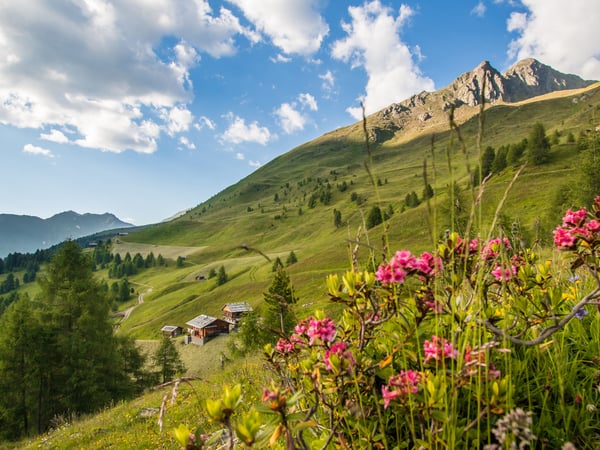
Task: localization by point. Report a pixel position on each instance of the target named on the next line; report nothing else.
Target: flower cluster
(407, 381)
(576, 226)
(504, 273)
(494, 247)
(339, 352)
(438, 348)
(404, 263)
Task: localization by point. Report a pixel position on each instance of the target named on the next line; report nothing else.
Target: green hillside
(288, 205)
(271, 211)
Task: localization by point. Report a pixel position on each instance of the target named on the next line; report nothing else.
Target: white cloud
(295, 26)
(239, 132)
(186, 142)
(204, 121)
(308, 101)
(289, 118)
(254, 164)
(374, 43)
(34, 150)
(240, 156)
(55, 136)
(101, 73)
(479, 9)
(177, 119)
(564, 36)
(328, 81)
(281, 59)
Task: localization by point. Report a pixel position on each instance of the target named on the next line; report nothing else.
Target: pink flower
(504, 274)
(388, 396)
(574, 218)
(321, 329)
(407, 380)
(493, 247)
(339, 349)
(438, 348)
(563, 238)
(284, 346)
(593, 226)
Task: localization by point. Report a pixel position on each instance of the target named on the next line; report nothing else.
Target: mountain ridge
(26, 234)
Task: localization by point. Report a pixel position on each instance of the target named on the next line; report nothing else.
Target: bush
(480, 345)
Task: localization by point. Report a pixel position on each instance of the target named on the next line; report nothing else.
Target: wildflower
(563, 238)
(284, 346)
(407, 380)
(581, 313)
(345, 356)
(493, 248)
(574, 218)
(438, 349)
(321, 329)
(504, 274)
(388, 395)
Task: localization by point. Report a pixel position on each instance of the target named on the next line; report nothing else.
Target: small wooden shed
(233, 312)
(203, 327)
(171, 330)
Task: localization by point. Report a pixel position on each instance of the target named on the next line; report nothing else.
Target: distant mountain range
(26, 234)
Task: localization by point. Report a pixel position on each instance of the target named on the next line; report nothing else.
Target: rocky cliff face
(526, 79)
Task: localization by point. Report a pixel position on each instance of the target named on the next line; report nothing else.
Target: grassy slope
(210, 235)
(248, 214)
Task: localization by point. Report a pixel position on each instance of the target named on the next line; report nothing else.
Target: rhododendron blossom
(438, 349)
(404, 263)
(406, 382)
(501, 273)
(339, 349)
(494, 247)
(321, 329)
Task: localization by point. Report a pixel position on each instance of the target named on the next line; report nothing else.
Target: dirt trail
(126, 313)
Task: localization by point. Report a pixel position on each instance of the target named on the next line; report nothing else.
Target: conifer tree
(167, 359)
(280, 299)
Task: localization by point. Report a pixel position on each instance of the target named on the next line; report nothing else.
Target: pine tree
(280, 298)
(221, 276)
(538, 145)
(374, 217)
(18, 369)
(487, 159)
(291, 259)
(167, 359)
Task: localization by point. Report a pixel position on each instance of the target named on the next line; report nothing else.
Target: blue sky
(144, 108)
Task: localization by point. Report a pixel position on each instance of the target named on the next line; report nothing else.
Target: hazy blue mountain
(29, 233)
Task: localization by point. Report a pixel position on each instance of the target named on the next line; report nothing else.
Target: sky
(146, 108)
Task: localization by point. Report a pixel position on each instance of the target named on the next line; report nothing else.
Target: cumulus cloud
(290, 119)
(240, 156)
(290, 115)
(295, 26)
(176, 119)
(563, 36)
(100, 74)
(308, 101)
(254, 164)
(373, 42)
(239, 132)
(34, 150)
(55, 136)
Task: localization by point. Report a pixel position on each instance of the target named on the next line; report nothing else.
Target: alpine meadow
(425, 278)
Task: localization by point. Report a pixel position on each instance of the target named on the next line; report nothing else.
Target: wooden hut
(203, 327)
(171, 330)
(233, 312)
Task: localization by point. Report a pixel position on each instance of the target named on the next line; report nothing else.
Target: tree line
(59, 356)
